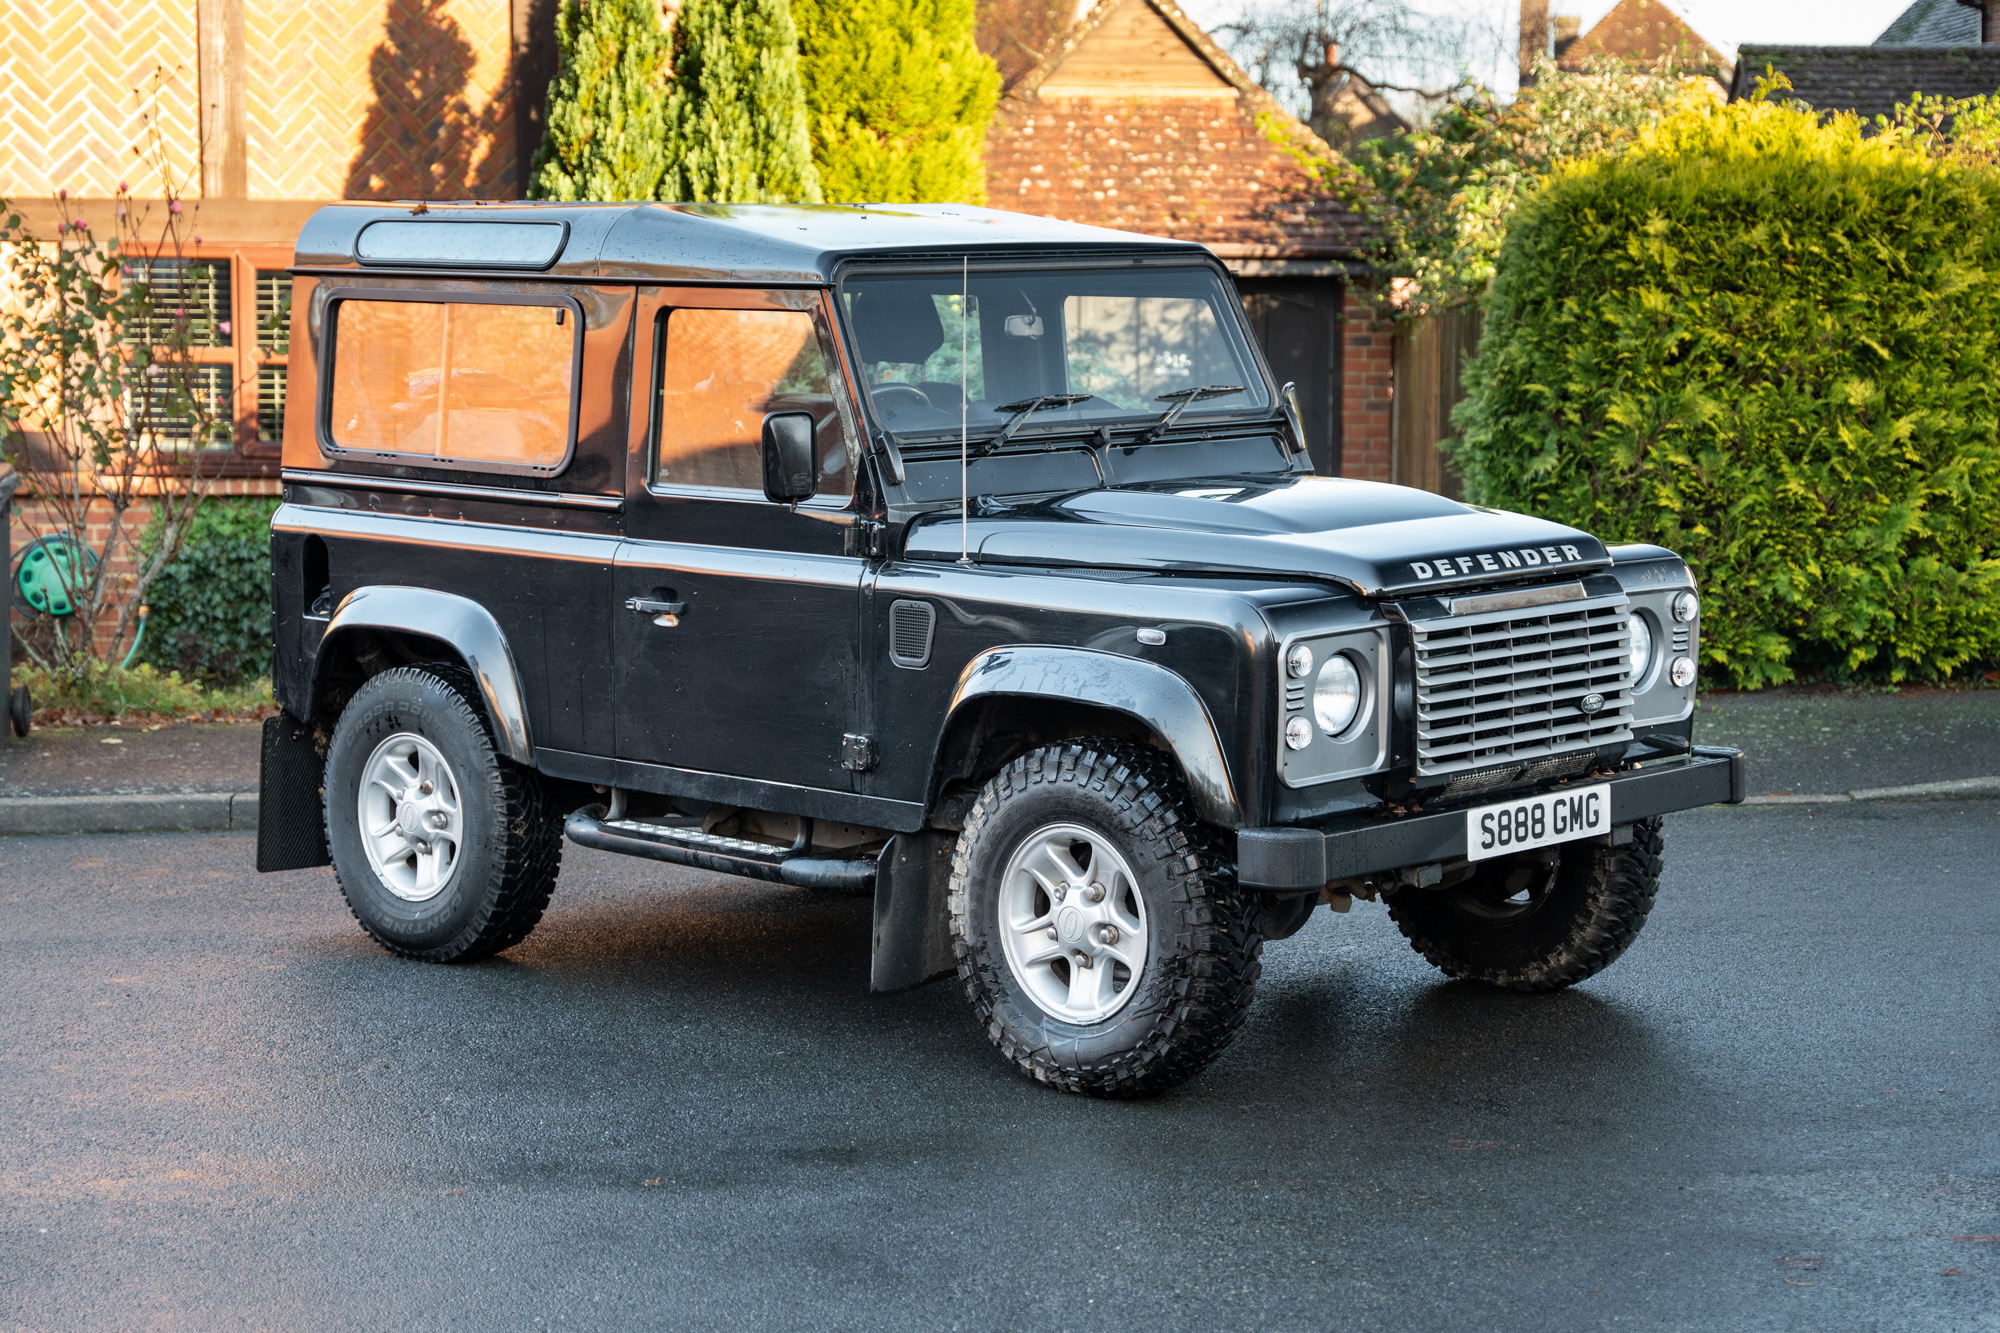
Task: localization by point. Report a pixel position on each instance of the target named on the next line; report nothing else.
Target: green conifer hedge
(606, 135)
(736, 113)
(898, 95)
(1769, 343)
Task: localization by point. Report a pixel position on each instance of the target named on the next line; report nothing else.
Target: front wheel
(445, 850)
(1100, 938)
(1537, 921)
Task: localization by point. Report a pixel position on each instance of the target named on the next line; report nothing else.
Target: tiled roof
(1171, 139)
(1197, 169)
(1642, 30)
(1933, 23)
(1871, 80)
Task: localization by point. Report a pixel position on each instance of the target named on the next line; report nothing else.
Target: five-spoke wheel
(1073, 923)
(409, 816)
(1100, 938)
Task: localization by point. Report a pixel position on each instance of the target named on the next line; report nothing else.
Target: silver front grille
(1505, 687)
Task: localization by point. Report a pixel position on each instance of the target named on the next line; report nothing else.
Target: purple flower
(223, 327)
(174, 207)
(122, 187)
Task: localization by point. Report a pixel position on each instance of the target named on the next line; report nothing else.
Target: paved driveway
(676, 1107)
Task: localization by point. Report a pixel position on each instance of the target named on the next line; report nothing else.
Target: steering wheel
(888, 396)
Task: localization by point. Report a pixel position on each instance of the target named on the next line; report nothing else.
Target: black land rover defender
(969, 559)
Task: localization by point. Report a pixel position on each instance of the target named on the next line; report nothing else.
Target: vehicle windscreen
(1128, 343)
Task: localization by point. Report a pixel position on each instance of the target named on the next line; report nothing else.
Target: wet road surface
(676, 1106)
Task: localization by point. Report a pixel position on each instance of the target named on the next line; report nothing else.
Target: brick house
(1137, 120)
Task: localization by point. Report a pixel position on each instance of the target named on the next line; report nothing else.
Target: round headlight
(1642, 646)
(1686, 606)
(1337, 695)
(1298, 733)
(1682, 672)
(1299, 661)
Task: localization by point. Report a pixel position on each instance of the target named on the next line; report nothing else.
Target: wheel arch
(407, 620)
(1013, 699)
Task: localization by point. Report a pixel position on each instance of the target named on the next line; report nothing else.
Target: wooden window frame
(245, 455)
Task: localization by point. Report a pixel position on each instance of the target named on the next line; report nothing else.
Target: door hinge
(857, 753)
(866, 538)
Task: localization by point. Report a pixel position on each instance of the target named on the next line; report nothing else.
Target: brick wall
(1367, 389)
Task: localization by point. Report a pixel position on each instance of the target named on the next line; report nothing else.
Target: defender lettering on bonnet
(1492, 562)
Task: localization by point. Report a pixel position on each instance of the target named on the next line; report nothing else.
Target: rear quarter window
(460, 382)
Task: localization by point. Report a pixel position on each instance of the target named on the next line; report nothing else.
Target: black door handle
(664, 614)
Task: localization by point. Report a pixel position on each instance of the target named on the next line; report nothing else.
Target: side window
(458, 382)
(720, 373)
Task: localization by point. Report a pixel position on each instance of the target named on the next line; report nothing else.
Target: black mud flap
(291, 818)
(912, 921)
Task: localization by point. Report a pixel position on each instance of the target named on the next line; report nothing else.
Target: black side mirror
(789, 471)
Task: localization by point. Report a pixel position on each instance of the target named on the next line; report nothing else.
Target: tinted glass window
(721, 372)
(934, 346)
(457, 382)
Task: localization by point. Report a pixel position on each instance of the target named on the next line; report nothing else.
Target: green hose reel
(48, 569)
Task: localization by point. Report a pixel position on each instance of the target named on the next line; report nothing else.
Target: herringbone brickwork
(379, 99)
(366, 99)
(73, 81)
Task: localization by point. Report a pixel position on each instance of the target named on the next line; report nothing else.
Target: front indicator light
(1299, 661)
(1686, 606)
(1298, 734)
(1682, 672)
(1337, 695)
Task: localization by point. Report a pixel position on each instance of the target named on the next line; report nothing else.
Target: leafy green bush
(607, 104)
(1767, 342)
(897, 97)
(210, 616)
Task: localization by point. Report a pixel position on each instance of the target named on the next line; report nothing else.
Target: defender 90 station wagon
(969, 560)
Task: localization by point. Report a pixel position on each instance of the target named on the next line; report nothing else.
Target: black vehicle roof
(691, 243)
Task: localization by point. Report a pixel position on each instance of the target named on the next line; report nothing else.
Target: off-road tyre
(1591, 913)
(1202, 964)
(512, 845)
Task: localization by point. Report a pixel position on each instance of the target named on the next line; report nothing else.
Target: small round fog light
(1298, 733)
(1299, 661)
(1686, 606)
(1682, 672)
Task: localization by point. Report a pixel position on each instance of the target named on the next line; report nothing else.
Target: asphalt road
(675, 1107)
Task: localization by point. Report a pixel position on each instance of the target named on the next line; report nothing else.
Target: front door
(737, 619)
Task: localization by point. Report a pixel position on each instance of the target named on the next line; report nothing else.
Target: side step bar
(711, 851)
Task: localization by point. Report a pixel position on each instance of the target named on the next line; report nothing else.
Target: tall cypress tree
(736, 115)
(899, 95)
(606, 136)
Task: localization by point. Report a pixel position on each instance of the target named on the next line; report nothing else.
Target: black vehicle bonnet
(1374, 538)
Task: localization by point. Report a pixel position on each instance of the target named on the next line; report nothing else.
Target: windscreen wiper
(1024, 409)
(1181, 400)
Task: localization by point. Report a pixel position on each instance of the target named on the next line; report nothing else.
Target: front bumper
(1351, 845)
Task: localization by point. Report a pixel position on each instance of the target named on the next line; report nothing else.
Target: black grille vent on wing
(910, 626)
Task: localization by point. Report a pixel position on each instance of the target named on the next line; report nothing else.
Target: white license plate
(1537, 821)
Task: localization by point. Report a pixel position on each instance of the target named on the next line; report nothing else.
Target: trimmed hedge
(210, 616)
(1771, 344)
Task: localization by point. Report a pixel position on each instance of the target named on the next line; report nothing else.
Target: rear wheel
(1100, 938)
(445, 850)
(1537, 921)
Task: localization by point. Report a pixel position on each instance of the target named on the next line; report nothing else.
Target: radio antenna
(964, 315)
